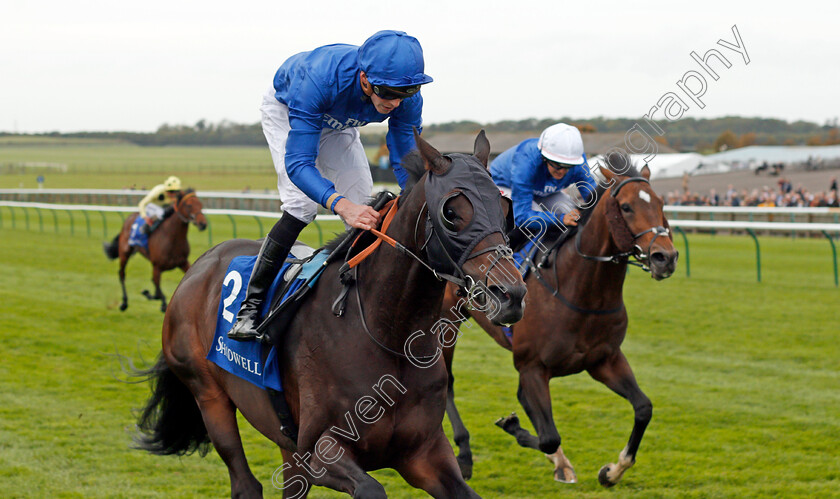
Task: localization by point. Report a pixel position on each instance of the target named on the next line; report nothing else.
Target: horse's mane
(413, 164)
(615, 162)
(183, 194)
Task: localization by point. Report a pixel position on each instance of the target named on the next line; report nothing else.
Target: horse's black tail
(171, 422)
(112, 249)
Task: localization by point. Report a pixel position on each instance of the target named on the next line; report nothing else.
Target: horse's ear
(606, 172)
(646, 172)
(481, 150)
(433, 159)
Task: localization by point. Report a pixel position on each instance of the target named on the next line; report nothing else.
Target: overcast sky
(105, 65)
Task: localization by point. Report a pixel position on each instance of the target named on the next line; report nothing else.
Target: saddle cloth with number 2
(247, 359)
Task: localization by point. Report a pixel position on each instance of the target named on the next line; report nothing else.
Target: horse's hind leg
(615, 372)
(219, 416)
(459, 430)
(123, 262)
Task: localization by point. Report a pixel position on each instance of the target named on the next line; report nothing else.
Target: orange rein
(391, 208)
(185, 196)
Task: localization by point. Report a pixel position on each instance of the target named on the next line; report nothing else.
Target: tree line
(688, 134)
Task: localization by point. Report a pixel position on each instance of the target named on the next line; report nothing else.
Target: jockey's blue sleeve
(524, 176)
(400, 138)
(306, 120)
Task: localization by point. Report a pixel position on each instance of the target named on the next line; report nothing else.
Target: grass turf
(743, 376)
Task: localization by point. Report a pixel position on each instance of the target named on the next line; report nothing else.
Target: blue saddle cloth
(245, 358)
(136, 236)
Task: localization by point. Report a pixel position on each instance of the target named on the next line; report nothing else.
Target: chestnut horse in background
(168, 245)
(359, 397)
(575, 319)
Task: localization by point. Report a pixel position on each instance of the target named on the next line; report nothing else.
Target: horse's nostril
(658, 257)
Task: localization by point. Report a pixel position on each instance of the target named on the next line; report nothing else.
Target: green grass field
(744, 378)
(118, 165)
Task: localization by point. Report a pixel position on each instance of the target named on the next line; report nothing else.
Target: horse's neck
(407, 296)
(606, 279)
(178, 224)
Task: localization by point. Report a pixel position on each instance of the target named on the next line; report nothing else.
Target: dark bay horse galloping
(168, 245)
(575, 319)
(367, 389)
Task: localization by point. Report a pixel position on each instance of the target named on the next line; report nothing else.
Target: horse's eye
(626, 208)
(449, 218)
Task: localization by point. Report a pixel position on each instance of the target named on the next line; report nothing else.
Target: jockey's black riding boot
(148, 229)
(275, 249)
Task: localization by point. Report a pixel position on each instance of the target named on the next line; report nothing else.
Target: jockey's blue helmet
(393, 59)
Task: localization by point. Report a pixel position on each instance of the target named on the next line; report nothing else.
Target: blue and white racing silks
(322, 90)
(522, 169)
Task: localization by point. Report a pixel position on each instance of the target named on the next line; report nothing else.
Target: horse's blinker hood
(447, 249)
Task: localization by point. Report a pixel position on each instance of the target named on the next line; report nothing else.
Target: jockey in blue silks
(310, 117)
(534, 173)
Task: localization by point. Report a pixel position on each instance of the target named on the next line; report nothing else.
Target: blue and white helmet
(393, 59)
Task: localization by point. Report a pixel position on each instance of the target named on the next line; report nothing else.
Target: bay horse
(366, 389)
(168, 244)
(575, 319)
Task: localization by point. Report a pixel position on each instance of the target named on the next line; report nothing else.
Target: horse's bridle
(467, 286)
(465, 283)
(641, 256)
(184, 219)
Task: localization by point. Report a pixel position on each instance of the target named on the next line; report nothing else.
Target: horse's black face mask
(447, 249)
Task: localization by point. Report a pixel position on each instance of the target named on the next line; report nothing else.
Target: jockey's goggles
(557, 166)
(391, 93)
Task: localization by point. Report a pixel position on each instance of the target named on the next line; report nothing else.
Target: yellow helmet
(172, 184)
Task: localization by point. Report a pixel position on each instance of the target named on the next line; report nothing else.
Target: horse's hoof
(603, 479)
(123, 306)
(148, 295)
(565, 475)
(163, 308)
(466, 469)
(508, 422)
(563, 470)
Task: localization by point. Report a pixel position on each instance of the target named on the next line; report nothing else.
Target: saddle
(527, 254)
(301, 276)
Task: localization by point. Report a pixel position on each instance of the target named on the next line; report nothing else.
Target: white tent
(673, 165)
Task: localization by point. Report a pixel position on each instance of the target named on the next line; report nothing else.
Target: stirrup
(243, 332)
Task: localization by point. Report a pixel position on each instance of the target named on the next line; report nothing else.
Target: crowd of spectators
(784, 195)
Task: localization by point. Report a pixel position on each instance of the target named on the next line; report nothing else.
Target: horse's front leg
(434, 469)
(535, 398)
(158, 293)
(615, 372)
(329, 464)
(459, 430)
